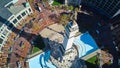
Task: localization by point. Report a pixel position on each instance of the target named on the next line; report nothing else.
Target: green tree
(77, 9)
(44, 0)
(71, 7)
(64, 19)
(52, 8)
(66, 7)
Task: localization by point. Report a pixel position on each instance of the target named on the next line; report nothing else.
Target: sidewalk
(91, 55)
(34, 54)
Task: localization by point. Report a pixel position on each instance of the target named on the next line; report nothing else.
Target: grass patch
(35, 49)
(56, 3)
(91, 62)
(38, 44)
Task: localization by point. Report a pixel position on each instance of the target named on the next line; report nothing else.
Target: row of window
(19, 17)
(2, 37)
(1, 40)
(5, 32)
(109, 6)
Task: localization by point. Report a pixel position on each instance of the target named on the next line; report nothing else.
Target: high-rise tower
(70, 30)
(109, 8)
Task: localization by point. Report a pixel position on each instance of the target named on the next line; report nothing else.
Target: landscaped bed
(35, 49)
(92, 62)
(56, 3)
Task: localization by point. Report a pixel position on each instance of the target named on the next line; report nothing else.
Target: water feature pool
(41, 61)
(86, 44)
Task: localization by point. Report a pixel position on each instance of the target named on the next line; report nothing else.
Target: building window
(19, 17)
(1, 40)
(5, 32)
(11, 17)
(23, 14)
(1, 29)
(118, 6)
(10, 26)
(29, 10)
(2, 37)
(26, 12)
(117, 23)
(98, 1)
(14, 21)
(9, 5)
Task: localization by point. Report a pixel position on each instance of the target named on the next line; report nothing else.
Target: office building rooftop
(18, 6)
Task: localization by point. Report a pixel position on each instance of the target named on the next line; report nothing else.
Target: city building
(11, 13)
(115, 28)
(70, 31)
(109, 8)
(75, 45)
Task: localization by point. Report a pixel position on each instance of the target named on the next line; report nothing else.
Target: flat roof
(86, 44)
(16, 9)
(4, 13)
